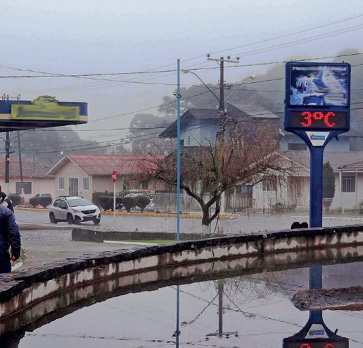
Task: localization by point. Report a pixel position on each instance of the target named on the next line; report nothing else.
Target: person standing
(9, 237)
(6, 201)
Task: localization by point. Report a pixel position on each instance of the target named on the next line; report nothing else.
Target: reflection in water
(250, 306)
(177, 329)
(315, 333)
(245, 311)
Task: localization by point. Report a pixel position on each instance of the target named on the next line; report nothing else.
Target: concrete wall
(35, 293)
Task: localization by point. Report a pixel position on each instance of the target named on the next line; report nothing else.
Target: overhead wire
(173, 70)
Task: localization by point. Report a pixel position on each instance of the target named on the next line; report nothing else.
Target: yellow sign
(45, 108)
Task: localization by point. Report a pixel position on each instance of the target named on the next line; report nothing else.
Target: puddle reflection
(242, 311)
(249, 311)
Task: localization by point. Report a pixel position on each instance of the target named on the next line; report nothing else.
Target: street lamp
(253, 76)
(221, 100)
(186, 71)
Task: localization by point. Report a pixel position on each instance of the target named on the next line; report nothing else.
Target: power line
(290, 34)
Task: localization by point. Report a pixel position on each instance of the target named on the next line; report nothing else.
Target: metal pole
(316, 186)
(178, 154)
(114, 205)
(177, 329)
(220, 308)
(221, 96)
(21, 169)
(7, 162)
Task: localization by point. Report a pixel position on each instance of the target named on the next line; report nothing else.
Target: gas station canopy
(44, 111)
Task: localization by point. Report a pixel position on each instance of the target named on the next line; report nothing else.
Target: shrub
(104, 200)
(128, 202)
(142, 202)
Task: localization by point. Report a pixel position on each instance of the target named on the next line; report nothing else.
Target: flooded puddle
(241, 311)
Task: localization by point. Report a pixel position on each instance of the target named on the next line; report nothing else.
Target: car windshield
(76, 202)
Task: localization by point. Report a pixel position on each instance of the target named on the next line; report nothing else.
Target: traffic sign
(114, 176)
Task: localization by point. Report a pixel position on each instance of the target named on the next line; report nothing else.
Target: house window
(297, 146)
(188, 141)
(269, 184)
(246, 189)
(27, 186)
(348, 183)
(61, 183)
(85, 184)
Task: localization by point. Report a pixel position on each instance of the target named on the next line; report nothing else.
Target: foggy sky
(43, 38)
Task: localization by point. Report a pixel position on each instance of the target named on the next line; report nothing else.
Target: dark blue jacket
(9, 233)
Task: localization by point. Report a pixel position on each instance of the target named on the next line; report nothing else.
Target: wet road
(245, 223)
(44, 242)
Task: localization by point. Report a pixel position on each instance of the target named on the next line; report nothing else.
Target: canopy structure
(44, 111)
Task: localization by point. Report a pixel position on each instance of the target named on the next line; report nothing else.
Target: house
(294, 191)
(84, 174)
(199, 127)
(349, 187)
(34, 177)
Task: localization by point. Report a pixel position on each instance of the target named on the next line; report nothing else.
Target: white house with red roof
(84, 174)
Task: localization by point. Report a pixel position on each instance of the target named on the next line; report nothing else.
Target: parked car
(74, 209)
(44, 199)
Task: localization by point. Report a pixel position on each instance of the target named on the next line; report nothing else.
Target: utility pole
(21, 168)
(222, 117)
(222, 111)
(7, 148)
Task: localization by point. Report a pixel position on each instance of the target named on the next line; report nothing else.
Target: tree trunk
(205, 219)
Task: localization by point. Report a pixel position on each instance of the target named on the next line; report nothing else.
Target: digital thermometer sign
(315, 334)
(326, 343)
(317, 97)
(323, 120)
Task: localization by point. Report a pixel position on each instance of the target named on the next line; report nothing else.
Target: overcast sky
(66, 37)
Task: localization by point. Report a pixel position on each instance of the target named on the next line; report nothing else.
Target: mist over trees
(49, 144)
(145, 130)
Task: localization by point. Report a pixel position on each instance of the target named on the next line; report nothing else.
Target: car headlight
(76, 211)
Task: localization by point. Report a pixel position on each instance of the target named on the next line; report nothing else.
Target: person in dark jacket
(6, 201)
(9, 237)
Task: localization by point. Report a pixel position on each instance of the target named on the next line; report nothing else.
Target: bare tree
(243, 158)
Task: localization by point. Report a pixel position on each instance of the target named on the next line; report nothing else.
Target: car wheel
(70, 219)
(52, 218)
(96, 221)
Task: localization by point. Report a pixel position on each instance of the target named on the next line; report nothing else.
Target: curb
(190, 216)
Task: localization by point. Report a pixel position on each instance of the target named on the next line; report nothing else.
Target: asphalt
(46, 243)
(39, 252)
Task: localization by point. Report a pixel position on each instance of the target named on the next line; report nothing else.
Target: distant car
(43, 199)
(74, 209)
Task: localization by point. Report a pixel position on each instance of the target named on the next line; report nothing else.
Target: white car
(74, 209)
